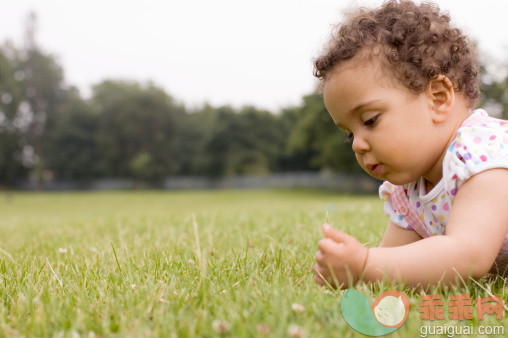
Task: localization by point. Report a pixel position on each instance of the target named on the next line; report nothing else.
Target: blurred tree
(194, 129)
(13, 123)
(216, 151)
(32, 91)
(45, 94)
(265, 136)
(294, 158)
(248, 141)
(137, 130)
(316, 134)
(71, 150)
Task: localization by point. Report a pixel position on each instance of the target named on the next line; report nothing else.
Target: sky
(219, 52)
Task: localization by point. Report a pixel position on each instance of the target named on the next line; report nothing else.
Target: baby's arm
(396, 236)
(474, 235)
(475, 232)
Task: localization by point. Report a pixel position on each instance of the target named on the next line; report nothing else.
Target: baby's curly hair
(417, 42)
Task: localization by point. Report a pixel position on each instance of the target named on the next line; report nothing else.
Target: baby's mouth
(375, 168)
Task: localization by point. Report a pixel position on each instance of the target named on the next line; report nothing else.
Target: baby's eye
(370, 122)
(349, 138)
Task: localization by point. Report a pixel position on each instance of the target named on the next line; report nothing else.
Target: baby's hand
(339, 255)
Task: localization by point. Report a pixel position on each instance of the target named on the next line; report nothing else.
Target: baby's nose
(360, 145)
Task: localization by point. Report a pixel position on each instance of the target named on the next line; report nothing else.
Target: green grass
(178, 263)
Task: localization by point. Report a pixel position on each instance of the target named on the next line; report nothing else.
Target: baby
(402, 83)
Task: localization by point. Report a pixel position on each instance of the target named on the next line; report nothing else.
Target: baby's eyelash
(370, 122)
(349, 138)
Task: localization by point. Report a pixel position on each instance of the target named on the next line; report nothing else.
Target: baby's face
(394, 135)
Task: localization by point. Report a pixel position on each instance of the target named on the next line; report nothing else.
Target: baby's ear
(440, 91)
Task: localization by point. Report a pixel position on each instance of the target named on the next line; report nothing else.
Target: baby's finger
(328, 245)
(336, 235)
(320, 258)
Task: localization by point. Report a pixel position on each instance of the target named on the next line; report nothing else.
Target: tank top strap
(401, 203)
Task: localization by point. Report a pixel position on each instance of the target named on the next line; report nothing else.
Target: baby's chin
(391, 178)
(399, 179)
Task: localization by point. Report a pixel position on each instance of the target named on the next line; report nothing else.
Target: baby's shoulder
(481, 129)
(481, 144)
(480, 138)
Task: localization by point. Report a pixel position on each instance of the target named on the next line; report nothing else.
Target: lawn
(185, 264)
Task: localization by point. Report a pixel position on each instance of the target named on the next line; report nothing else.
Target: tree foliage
(72, 151)
(12, 126)
(137, 132)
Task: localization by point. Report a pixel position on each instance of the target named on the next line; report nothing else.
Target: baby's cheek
(359, 160)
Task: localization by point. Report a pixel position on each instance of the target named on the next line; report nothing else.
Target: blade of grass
(54, 273)
(116, 258)
(7, 254)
